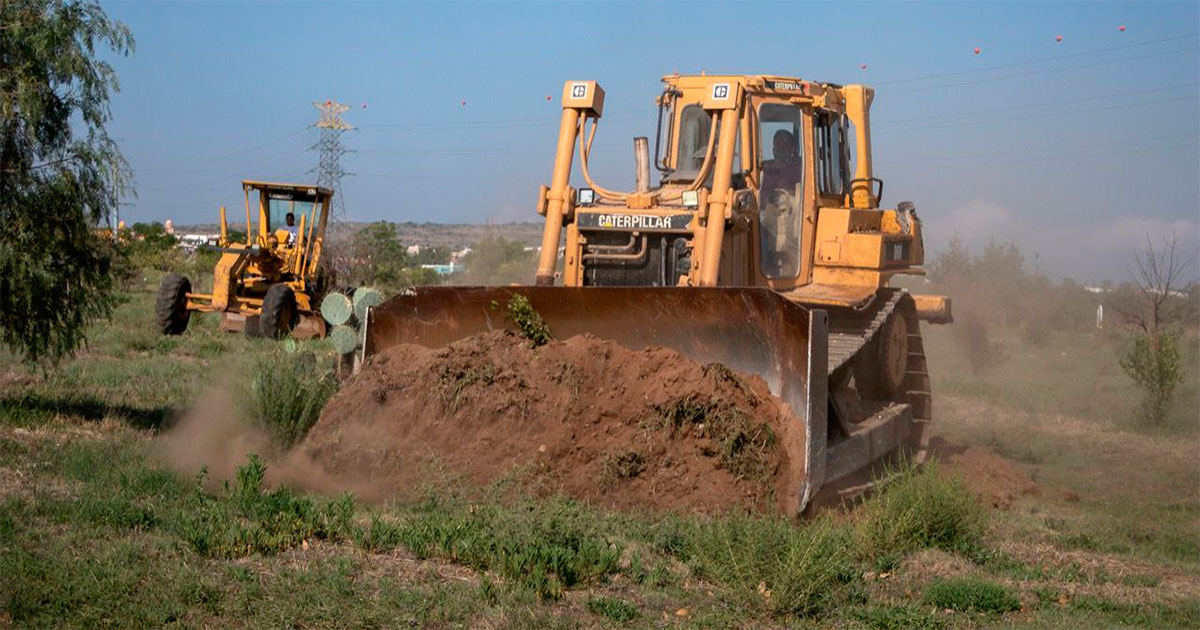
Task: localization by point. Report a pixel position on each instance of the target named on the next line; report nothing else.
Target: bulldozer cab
(765, 181)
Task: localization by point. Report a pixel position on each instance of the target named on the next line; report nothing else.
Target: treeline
(373, 255)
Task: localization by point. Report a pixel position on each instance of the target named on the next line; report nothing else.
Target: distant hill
(453, 235)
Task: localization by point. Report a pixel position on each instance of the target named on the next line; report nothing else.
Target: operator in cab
(780, 196)
(290, 220)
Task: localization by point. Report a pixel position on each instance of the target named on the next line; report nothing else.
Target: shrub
(770, 564)
(527, 320)
(1153, 364)
(287, 394)
(971, 594)
(916, 509)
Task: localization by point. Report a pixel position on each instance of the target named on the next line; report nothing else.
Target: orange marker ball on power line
(977, 50)
(1058, 38)
(863, 66)
(1121, 28)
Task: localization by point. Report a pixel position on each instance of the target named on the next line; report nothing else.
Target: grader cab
(271, 283)
(763, 247)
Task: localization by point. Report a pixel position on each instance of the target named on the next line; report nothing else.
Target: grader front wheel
(170, 310)
(279, 313)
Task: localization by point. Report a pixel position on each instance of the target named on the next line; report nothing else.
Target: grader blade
(751, 330)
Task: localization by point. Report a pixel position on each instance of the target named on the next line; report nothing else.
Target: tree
(60, 173)
(1154, 307)
(380, 255)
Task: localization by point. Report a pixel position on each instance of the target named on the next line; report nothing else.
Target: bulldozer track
(850, 330)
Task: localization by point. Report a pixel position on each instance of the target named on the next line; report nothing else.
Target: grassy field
(96, 529)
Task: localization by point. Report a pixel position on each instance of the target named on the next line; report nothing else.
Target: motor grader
(764, 247)
(270, 284)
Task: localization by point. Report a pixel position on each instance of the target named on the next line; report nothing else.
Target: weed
(919, 508)
(1146, 614)
(544, 548)
(287, 393)
(772, 565)
(971, 594)
(1147, 581)
(897, 618)
(247, 520)
(1080, 540)
(626, 465)
(744, 447)
(455, 380)
(721, 373)
(617, 610)
(528, 321)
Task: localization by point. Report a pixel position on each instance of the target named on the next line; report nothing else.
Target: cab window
(695, 125)
(832, 152)
(781, 130)
(278, 209)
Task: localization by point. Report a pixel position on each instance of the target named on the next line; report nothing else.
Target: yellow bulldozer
(763, 247)
(270, 284)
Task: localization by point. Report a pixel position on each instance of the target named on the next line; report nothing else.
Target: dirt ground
(583, 416)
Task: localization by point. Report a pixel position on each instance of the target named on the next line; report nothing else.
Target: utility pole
(329, 148)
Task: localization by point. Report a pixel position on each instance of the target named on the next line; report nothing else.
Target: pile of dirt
(995, 480)
(583, 416)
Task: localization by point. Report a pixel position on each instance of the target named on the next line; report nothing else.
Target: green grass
(612, 608)
(971, 595)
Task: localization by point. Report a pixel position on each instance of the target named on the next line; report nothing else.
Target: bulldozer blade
(751, 330)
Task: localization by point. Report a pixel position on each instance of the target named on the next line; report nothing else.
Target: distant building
(413, 250)
(445, 270)
(190, 242)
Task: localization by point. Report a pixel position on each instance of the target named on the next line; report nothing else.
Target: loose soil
(648, 429)
(995, 480)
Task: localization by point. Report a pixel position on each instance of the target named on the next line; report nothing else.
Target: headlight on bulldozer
(691, 199)
(585, 197)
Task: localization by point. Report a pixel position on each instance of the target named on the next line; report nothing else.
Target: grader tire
(279, 313)
(170, 310)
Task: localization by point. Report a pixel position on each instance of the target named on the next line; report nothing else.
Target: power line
(239, 152)
(1041, 72)
(1034, 116)
(1065, 147)
(1100, 97)
(1038, 60)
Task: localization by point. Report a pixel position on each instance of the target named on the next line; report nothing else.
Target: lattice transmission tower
(330, 149)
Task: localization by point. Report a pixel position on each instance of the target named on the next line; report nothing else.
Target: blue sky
(1075, 150)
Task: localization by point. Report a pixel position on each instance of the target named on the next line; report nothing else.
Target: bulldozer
(270, 284)
(763, 247)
